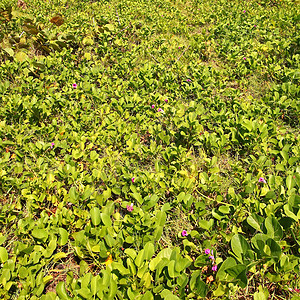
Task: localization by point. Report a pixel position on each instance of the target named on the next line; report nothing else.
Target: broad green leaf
(95, 216)
(227, 264)
(239, 246)
(40, 234)
(168, 295)
(3, 255)
(238, 272)
(140, 258)
(148, 295)
(61, 291)
(131, 253)
(21, 56)
(63, 236)
(149, 250)
(197, 285)
(2, 239)
(95, 284)
(106, 219)
(224, 209)
(274, 229)
(207, 225)
(254, 223)
(85, 293)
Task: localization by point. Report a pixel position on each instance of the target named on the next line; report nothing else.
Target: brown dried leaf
(57, 20)
(209, 279)
(204, 269)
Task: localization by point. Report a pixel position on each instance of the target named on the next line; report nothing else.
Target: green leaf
(131, 253)
(224, 209)
(85, 293)
(95, 284)
(2, 239)
(227, 264)
(95, 216)
(239, 273)
(259, 241)
(207, 225)
(254, 222)
(9, 51)
(140, 258)
(168, 295)
(275, 250)
(3, 255)
(261, 294)
(106, 219)
(61, 291)
(73, 194)
(149, 250)
(63, 236)
(109, 27)
(146, 281)
(40, 234)
(239, 246)
(148, 295)
(197, 285)
(274, 229)
(290, 182)
(21, 56)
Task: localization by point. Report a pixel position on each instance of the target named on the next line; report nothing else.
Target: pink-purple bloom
(244, 11)
(74, 85)
(184, 233)
(166, 100)
(52, 145)
(207, 251)
(161, 110)
(211, 257)
(244, 58)
(130, 207)
(188, 80)
(214, 268)
(152, 105)
(132, 179)
(262, 180)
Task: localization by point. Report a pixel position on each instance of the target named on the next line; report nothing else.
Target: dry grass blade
(22, 4)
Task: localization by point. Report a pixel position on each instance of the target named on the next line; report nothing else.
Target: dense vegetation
(149, 149)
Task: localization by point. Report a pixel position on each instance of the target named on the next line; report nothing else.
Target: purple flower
(261, 179)
(184, 233)
(152, 105)
(179, 47)
(52, 145)
(74, 85)
(244, 11)
(161, 110)
(188, 80)
(254, 25)
(207, 251)
(166, 100)
(211, 257)
(214, 268)
(132, 179)
(130, 207)
(244, 58)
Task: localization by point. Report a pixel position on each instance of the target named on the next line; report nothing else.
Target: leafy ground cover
(149, 149)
